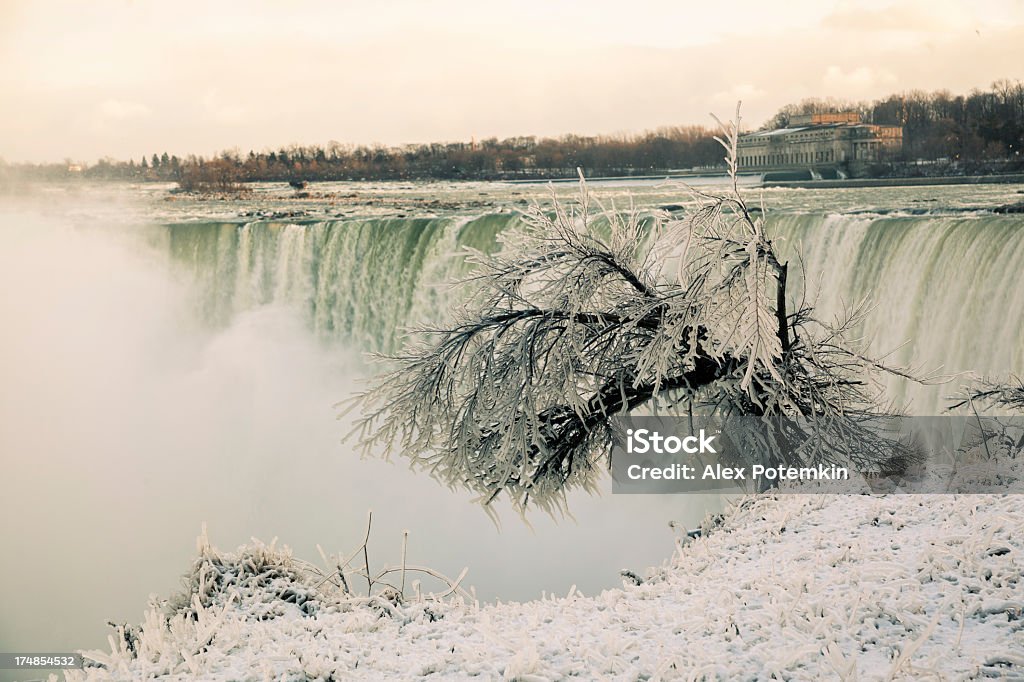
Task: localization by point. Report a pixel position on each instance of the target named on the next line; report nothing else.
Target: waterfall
(355, 281)
(944, 289)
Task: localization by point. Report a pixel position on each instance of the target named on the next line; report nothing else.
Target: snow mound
(785, 586)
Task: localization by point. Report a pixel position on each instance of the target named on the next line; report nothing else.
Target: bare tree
(586, 314)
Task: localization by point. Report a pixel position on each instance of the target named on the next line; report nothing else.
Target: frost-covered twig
(1007, 394)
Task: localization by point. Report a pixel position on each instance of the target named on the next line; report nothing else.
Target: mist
(126, 423)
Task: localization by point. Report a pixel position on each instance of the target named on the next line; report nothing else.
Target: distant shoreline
(746, 180)
(1002, 179)
(749, 179)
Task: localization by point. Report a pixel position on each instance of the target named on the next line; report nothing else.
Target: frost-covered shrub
(264, 576)
(228, 597)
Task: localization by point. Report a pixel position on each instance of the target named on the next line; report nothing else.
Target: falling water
(358, 282)
(943, 291)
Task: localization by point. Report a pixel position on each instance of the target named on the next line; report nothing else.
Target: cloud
(221, 112)
(119, 110)
(741, 92)
(164, 81)
(857, 81)
(913, 17)
(110, 116)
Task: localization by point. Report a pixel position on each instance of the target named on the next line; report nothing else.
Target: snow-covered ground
(785, 587)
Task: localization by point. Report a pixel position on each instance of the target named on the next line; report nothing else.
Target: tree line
(979, 131)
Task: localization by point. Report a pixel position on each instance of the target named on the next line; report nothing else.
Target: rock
(1009, 208)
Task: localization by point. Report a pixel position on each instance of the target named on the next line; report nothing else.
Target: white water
(946, 292)
(157, 378)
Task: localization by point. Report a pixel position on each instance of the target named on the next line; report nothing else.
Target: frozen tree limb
(580, 317)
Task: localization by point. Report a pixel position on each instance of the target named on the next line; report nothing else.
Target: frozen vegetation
(586, 315)
(784, 586)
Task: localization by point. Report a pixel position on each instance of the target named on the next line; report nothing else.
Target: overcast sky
(124, 78)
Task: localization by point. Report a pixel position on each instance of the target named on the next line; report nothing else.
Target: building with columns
(818, 140)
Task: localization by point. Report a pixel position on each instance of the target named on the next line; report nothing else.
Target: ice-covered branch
(579, 317)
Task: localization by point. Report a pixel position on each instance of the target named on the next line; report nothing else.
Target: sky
(124, 78)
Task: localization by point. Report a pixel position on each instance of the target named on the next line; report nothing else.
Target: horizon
(239, 153)
(120, 80)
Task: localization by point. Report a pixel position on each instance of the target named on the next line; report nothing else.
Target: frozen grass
(790, 587)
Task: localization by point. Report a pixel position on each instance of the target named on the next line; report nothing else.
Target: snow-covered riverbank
(797, 586)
